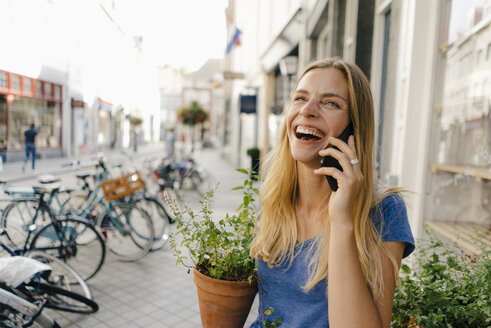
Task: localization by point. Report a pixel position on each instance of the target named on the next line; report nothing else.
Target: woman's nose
(309, 109)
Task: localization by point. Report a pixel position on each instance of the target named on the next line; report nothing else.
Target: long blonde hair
(277, 228)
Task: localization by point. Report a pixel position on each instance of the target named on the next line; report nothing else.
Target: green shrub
(444, 288)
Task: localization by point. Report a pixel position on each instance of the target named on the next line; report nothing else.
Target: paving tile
(116, 322)
(171, 320)
(145, 321)
(186, 324)
(157, 324)
(131, 315)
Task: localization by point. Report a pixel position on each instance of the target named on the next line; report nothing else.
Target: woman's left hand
(349, 180)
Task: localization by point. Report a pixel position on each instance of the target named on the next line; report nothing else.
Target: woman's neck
(313, 195)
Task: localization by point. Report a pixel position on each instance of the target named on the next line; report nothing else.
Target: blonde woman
(328, 258)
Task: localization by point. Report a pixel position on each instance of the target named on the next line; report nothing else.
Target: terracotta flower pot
(223, 303)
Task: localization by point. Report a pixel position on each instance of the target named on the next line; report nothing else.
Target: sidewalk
(152, 292)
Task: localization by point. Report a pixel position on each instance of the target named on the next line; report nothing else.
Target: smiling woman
(310, 236)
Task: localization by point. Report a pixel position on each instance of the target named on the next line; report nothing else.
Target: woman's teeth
(306, 133)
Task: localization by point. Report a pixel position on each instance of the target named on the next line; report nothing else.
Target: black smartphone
(330, 161)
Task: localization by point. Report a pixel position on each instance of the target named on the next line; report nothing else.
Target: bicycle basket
(122, 186)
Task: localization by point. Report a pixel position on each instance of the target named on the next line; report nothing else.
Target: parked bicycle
(72, 239)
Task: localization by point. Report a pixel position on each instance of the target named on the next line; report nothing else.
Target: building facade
(428, 65)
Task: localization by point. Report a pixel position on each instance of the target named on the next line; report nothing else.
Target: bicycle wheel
(17, 312)
(61, 274)
(60, 299)
(160, 221)
(17, 218)
(74, 241)
(128, 229)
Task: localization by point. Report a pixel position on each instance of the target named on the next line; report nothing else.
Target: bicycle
(71, 239)
(182, 174)
(133, 206)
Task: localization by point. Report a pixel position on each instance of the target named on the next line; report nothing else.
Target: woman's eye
(331, 104)
(299, 98)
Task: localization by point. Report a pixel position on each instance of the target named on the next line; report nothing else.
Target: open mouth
(305, 133)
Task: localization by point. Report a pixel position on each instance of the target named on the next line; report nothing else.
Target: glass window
(27, 84)
(57, 89)
(48, 89)
(39, 88)
(460, 153)
(3, 80)
(15, 82)
(45, 115)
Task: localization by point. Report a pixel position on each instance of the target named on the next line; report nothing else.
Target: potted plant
(444, 288)
(255, 155)
(218, 253)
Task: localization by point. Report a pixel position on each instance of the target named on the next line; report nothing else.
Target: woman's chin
(308, 158)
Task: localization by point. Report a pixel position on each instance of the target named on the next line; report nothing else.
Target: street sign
(248, 104)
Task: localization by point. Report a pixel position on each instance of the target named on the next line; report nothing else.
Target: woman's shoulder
(391, 221)
(389, 206)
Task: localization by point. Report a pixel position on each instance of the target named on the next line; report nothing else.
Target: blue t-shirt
(281, 287)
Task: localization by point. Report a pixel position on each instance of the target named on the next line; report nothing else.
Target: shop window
(460, 155)
(46, 116)
(15, 82)
(3, 80)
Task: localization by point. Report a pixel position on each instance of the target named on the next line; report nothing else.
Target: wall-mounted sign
(248, 104)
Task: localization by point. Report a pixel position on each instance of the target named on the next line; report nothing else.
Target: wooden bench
(463, 233)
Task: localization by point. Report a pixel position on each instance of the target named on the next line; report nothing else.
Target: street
(152, 292)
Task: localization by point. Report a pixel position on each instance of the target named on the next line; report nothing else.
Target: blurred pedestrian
(328, 255)
(30, 143)
(171, 136)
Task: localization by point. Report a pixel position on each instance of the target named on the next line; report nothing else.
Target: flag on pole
(234, 38)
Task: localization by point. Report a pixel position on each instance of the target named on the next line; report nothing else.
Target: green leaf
(406, 269)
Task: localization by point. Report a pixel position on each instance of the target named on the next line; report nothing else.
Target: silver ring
(354, 161)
